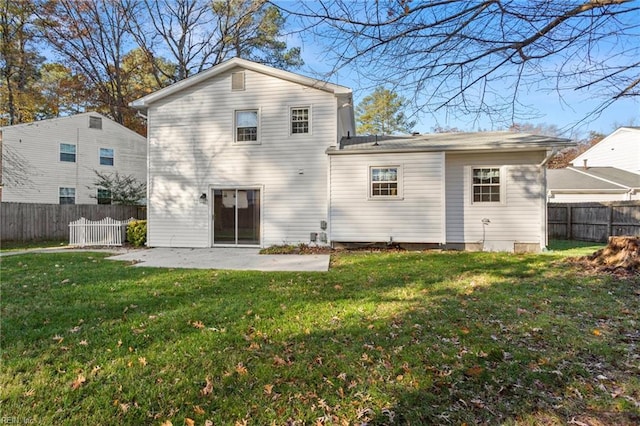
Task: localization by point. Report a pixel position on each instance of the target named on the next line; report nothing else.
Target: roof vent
(237, 80)
(584, 163)
(415, 133)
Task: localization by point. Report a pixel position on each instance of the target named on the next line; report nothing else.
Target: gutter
(549, 156)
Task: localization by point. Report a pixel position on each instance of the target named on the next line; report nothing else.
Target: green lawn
(408, 338)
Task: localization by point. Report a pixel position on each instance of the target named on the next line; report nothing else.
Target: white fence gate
(105, 232)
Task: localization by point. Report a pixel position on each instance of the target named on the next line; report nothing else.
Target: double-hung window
(67, 195)
(486, 185)
(300, 120)
(384, 182)
(68, 152)
(106, 156)
(246, 125)
(104, 196)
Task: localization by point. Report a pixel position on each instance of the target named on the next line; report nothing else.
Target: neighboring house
(248, 155)
(593, 184)
(54, 161)
(608, 171)
(621, 149)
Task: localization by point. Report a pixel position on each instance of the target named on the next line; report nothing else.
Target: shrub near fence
(593, 221)
(37, 222)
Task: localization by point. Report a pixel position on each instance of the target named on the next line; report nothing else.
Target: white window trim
(258, 140)
(75, 194)
(399, 196)
(60, 152)
(100, 156)
(503, 185)
(291, 108)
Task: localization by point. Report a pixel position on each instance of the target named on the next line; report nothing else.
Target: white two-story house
(248, 155)
(55, 161)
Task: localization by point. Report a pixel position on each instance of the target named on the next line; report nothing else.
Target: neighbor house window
(95, 122)
(104, 196)
(247, 126)
(300, 120)
(68, 152)
(384, 182)
(106, 156)
(67, 195)
(486, 184)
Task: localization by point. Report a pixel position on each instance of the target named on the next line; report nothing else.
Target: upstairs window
(300, 120)
(486, 184)
(95, 123)
(246, 126)
(104, 196)
(384, 182)
(68, 152)
(67, 195)
(106, 156)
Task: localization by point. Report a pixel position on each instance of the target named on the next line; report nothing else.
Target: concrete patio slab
(243, 259)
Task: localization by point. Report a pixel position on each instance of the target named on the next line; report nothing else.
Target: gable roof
(593, 178)
(68, 117)
(473, 141)
(145, 101)
(603, 143)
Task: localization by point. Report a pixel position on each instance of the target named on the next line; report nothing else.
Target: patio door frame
(236, 188)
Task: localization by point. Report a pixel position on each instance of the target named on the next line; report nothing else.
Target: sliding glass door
(236, 216)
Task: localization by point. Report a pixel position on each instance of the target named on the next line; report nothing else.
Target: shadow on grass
(417, 338)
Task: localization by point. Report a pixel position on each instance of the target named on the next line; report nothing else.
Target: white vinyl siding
(517, 218)
(417, 217)
(37, 145)
(192, 149)
(621, 149)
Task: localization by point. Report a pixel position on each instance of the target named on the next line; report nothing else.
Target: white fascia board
(145, 101)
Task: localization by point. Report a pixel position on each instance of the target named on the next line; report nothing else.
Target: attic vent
(237, 80)
(95, 122)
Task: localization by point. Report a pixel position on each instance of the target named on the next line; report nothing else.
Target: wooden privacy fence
(105, 232)
(37, 222)
(593, 221)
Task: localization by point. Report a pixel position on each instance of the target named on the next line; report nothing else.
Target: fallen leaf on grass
(268, 389)
(189, 422)
(474, 371)
(143, 361)
(78, 381)
(198, 324)
(30, 392)
(208, 388)
(241, 369)
(83, 343)
(58, 338)
(167, 423)
(198, 410)
(596, 332)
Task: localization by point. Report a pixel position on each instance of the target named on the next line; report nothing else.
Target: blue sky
(569, 113)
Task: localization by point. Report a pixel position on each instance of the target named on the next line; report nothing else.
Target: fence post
(610, 226)
(569, 222)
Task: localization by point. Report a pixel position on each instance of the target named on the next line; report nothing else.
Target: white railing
(105, 232)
